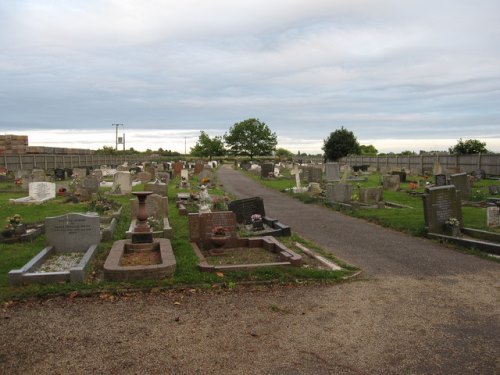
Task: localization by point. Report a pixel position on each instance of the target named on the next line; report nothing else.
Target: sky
(400, 74)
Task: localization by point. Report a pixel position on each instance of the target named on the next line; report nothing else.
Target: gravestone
(152, 172)
(98, 173)
(493, 216)
(122, 183)
(37, 175)
(440, 180)
(245, 208)
(266, 170)
(332, 172)
(59, 174)
(346, 173)
(177, 168)
(391, 182)
(91, 184)
(157, 187)
(185, 174)
(156, 206)
(461, 182)
(340, 193)
(493, 189)
(198, 167)
(401, 174)
(437, 169)
(163, 177)
(371, 195)
(316, 175)
(315, 188)
(80, 172)
(73, 232)
(440, 204)
(245, 165)
(144, 176)
(296, 172)
(42, 191)
(206, 174)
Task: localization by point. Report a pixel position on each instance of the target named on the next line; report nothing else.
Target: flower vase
(219, 241)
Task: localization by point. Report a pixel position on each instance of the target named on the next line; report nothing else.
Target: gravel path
(419, 308)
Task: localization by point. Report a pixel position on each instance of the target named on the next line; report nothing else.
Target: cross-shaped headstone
(296, 171)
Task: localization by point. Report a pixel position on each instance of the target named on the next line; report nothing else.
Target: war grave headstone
(340, 193)
(39, 192)
(246, 207)
(74, 237)
(267, 169)
(461, 182)
(440, 180)
(332, 172)
(440, 204)
(493, 216)
(391, 182)
(122, 183)
(371, 195)
(157, 209)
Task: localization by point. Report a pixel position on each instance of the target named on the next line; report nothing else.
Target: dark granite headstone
(245, 208)
(440, 180)
(266, 169)
(59, 174)
(440, 204)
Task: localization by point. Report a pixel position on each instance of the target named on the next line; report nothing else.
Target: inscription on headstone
(73, 232)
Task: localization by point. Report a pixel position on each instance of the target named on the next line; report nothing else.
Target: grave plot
(216, 243)
(141, 256)
(252, 220)
(75, 234)
(443, 220)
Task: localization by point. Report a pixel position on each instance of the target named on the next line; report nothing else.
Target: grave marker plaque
(41, 191)
(73, 232)
(245, 208)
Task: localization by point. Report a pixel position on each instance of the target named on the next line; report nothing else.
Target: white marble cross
(296, 171)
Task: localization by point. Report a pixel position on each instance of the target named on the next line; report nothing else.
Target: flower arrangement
(205, 180)
(452, 222)
(256, 217)
(13, 222)
(219, 231)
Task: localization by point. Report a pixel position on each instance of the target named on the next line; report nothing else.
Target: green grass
(14, 256)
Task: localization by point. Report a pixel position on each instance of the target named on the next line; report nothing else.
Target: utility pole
(185, 154)
(116, 137)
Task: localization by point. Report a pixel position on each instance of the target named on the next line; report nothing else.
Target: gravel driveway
(418, 308)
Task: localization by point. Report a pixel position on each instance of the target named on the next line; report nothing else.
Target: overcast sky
(400, 74)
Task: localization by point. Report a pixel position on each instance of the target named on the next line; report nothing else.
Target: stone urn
(219, 241)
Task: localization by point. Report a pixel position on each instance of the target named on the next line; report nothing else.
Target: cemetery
(102, 203)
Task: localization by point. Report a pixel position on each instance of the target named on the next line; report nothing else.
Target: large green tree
(251, 138)
(369, 150)
(208, 147)
(468, 147)
(340, 143)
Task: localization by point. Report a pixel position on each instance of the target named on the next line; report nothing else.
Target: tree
(408, 153)
(369, 150)
(468, 147)
(340, 143)
(283, 153)
(208, 147)
(251, 137)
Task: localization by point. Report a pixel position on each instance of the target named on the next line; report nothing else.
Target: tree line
(251, 137)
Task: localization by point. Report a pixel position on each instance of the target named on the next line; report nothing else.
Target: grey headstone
(341, 193)
(461, 182)
(391, 182)
(371, 195)
(440, 180)
(493, 189)
(493, 216)
(72, 232)
(332, 172)
(124, 181)
(91, 184)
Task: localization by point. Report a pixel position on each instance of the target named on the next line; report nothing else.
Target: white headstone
(42, 191)
(123, 181)
(493, 216)
(185, 174)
